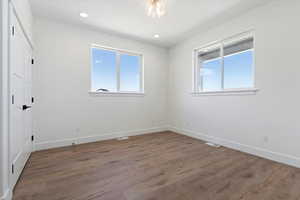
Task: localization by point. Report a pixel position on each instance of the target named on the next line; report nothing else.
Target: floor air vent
(213, 145)
(123, 138)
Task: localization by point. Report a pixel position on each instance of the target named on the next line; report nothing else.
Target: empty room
(149, 100)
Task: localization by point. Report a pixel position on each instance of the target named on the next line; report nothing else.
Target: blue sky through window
(211, 72)
(104, 70)
(238, 70)
(130, 73)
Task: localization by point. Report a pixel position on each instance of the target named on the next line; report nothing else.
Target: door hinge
(13, 99)
(32, 99)
(13, 30)
(12, 168)
(32, 138)
(32, 61)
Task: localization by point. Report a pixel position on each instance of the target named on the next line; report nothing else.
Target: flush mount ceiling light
(156, 8)
(83, 15)
(156, 36)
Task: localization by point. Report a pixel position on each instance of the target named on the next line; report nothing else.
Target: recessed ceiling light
(156, 36)
(84, 15)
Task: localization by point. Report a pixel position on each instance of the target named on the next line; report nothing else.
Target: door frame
(5, 190)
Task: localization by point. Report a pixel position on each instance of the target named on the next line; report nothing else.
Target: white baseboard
(94, 138)
(264, 153)
(7, 195)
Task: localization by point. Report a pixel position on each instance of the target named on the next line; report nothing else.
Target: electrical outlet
(266, 139)
(76, 133)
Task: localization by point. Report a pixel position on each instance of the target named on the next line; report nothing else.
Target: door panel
(20, 88)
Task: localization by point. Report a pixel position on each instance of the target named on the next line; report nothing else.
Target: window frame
(197, 79)
(118, 52)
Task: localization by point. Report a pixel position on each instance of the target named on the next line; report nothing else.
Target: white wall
(264, 124)
(267, 123)
(64, 109)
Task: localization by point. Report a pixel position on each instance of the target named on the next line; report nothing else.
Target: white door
(21, 99)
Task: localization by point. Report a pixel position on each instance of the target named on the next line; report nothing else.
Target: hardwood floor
(160, 166)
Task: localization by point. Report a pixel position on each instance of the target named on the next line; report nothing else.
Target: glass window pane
(210, 68)
(211, 73)
(238, 70)
(103, 70)
(130, 73)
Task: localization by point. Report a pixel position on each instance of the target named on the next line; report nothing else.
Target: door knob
(25, 107)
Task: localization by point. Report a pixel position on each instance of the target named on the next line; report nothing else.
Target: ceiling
(129, 17)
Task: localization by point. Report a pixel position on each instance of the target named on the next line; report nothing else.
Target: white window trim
(118, 53)
(242, 91)
(236, 91)
(116, 94)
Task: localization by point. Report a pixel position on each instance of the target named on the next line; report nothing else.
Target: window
(227, 65)
(116, 71)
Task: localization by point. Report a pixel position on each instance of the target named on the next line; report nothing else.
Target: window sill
(116, 94)
(236, 92)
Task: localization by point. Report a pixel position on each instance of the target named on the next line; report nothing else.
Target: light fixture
(156, 8)
(83, 15)
(156, 36)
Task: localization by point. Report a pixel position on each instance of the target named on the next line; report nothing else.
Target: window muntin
(226, 65)
(116, 71)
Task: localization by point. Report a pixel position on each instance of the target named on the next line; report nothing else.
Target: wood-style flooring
(160, 166)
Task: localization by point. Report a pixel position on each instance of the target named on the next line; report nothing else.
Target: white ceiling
(129, 18)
